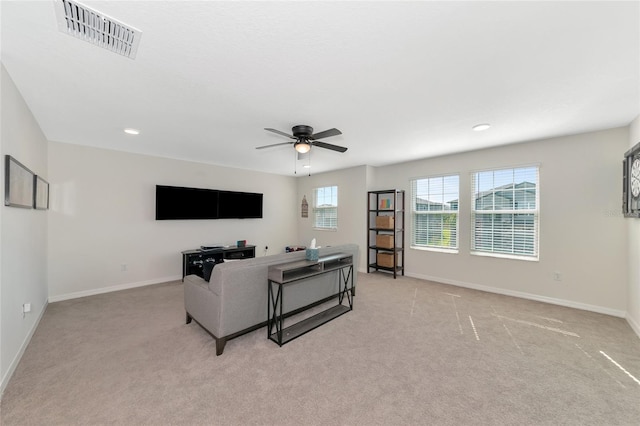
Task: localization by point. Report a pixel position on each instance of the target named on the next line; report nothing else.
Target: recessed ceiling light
(481, 127)
(306, 166)
(132, 131)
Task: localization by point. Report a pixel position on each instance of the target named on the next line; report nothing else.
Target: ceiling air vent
(97, 28)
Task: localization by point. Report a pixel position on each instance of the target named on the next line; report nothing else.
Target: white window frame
(439, 192)
(494, 212)
(324, 208)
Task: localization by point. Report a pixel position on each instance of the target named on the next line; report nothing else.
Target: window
(505, 212)
(434, 212)
(325, 208)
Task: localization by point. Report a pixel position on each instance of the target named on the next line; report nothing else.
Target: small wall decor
(631, 182)
(18, 184)
(305, 206)
(41, 196)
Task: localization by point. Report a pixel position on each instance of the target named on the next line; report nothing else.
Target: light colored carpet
(411, 352)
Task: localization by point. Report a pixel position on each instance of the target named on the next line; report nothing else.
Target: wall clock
(631, 182)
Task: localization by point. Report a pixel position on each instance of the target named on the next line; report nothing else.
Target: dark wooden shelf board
(308, 324)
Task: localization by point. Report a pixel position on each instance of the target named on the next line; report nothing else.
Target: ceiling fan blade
(275, 144)
(329, 146)
(325, 134)
(279, 132)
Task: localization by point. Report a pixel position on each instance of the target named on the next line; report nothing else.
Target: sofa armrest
(202, 304)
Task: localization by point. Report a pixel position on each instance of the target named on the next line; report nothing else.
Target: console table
(286, 273)
(192, 260)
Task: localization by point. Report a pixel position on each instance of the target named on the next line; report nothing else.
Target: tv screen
(174, 202)
(239, 205)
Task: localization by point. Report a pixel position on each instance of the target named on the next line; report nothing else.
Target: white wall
(352, 205)
(23, 251)
(582, 232)
(633, 229)
(103, 217)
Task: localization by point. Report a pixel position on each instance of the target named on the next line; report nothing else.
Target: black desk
(192, 259)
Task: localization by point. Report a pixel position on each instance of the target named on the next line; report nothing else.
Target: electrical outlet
(26, 308)
(557, 276)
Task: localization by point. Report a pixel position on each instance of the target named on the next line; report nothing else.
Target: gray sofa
(234, 301)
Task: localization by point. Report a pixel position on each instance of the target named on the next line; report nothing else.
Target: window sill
(506, 256)
(326, 229)
(435, 249)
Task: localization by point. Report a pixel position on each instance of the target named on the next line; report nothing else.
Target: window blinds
(505, 211)
(434, 212)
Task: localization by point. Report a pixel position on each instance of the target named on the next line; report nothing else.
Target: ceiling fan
(304, 138)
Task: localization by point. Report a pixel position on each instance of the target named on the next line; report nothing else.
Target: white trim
(634, 325)
(110, 289)
(504, 255)
(522, 295)
(436, 249)
(23, 347)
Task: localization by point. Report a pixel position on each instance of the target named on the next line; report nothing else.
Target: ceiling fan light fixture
(303, 147)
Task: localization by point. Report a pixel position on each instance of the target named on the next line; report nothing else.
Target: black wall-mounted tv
(239, 205)
(175, 203)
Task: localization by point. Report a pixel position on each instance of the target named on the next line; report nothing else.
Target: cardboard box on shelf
(386, 259)
(384, 241)
(385, 222)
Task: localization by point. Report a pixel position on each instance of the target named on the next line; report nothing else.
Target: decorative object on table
(289, 249)
(631, 182)
(312, 252)
(18, 184)
(305, 207)
(241, 243)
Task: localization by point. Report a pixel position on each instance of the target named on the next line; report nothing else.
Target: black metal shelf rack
(385, 231)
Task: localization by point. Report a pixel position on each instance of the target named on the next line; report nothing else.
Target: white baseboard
(110, 289)
(522, 295)
(16, 359)
(634, 325)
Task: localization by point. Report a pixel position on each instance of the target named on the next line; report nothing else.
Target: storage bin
(385, 222)
(386, 259)
(384, 241)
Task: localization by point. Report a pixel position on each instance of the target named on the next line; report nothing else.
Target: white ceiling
(401, 80)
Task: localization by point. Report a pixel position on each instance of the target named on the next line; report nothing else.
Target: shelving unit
(385, 231)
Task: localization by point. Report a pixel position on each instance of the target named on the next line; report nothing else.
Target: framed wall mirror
(18, 184)
(631, 182)
(41, 196)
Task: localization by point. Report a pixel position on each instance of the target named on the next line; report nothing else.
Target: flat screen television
(176, 203)
(239, 205)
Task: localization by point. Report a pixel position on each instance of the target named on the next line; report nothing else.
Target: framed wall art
(18, 184)
(631, 182)
(41, 195)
